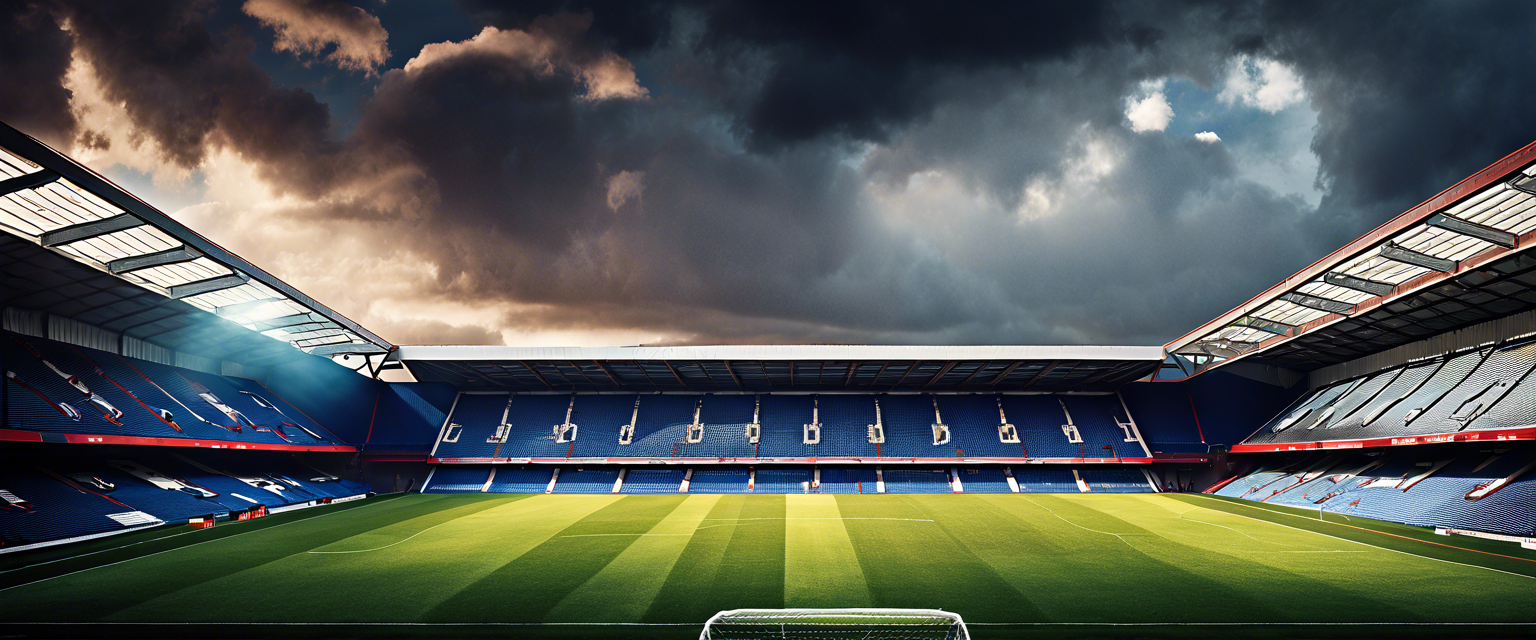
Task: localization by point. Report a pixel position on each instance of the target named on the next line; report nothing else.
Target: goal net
(834, 624)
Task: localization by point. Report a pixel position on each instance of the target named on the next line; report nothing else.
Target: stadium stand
(719, 480)
(984, 480)
(529, 479)
(782, 480)
(848, 480)
(586, 480)
(917, 481)
(652, 481)
(1446, 486)
(58, 388)
(1115, 480)
(1040, 479)
(456, 479)
(1477, 390)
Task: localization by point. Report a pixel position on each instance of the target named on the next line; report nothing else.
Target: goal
(834, 624)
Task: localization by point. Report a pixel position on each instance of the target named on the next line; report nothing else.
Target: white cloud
(1149, 111)
(625, 187)
(309, 27)
(1208, 137)
(1267, 84)
(545, 51)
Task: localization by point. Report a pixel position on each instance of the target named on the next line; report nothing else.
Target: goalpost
(815, 624)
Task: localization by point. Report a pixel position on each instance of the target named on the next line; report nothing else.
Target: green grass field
(1011, 564)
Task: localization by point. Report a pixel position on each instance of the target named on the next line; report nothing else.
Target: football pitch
(658, 566)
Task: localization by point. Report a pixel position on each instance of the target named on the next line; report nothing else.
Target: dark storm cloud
(1411, 96)
(823, 173)
(191, 90)
(34, 56)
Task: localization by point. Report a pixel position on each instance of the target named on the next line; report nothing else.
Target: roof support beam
(614, 378)
(1268, 326)
(359, 348)
(1471, 229)
(1005, 372)
(536, 375)
(1321, 304)
(210, 285)
(1397, 253)
(975, 373)
(294, 320)
(685, 385)
(1040, 375)
(734, 378)
(1372, 287)
(88, 230)
(29, 181)
(943, 370)
(180, 254)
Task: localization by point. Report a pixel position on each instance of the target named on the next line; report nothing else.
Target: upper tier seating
(1482, 389)
(57, 388)
(662, 423)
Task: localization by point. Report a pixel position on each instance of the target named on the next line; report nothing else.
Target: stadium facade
(155, 378)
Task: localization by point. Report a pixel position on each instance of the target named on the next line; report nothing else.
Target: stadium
(194, 447)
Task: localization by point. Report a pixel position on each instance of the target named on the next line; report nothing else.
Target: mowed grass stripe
(624, 589)
(528, 588)
(402, 581)
(119, 586)
(911, 564)
(821, 567)
(1182, 574)
(738, 562)
(1381, 584)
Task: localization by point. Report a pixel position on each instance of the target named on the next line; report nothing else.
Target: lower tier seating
(47, 496)
(1480, 488)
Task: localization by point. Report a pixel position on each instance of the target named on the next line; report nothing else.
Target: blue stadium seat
(652, 481)
(847, 480)
(529, 479)
(718, 480)
(586, 480)
(984, 480)
(452, 478)
(782, 480)
(916, 481)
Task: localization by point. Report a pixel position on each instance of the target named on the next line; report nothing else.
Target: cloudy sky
(598, 173)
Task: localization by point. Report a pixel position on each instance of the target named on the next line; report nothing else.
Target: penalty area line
(387, 545)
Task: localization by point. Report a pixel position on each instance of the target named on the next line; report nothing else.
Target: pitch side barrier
(1159, 458)
(1489, 435)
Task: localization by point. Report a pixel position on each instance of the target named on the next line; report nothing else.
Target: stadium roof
(1457, 259)
(79, 246)
(782, 368)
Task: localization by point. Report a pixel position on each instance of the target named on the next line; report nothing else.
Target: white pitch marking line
(176, 549)
(387, 545)
(895, 519)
